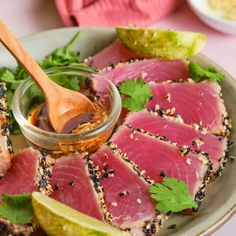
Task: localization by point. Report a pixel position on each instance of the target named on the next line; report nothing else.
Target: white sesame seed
(188, 161)
(139, 201)
(114, 204)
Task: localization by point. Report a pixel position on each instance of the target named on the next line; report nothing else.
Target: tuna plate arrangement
(171, 140)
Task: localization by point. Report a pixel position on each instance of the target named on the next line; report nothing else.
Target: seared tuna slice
(72, 185)
(112, 54)
(21, 177)
(181, 133)
(126, 194)
(6, 150)
(158, 158)
(150, 70)
(199, 104)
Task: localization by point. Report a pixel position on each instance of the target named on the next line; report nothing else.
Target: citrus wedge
(56, 219)
(166, 44)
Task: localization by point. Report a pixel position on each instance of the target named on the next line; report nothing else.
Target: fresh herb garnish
(17, 208)
(64, 56)
(136, 92)
(172, 196)
(197, 73)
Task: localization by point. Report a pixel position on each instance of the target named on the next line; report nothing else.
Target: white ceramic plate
(220, 202)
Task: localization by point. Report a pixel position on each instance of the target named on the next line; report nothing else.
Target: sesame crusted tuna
(159, 158)
(111, 55)
(155, 70)
(180, 133)
(6, 151)
(21, 177)
(198, 104)
(72, 185)
(126, 194)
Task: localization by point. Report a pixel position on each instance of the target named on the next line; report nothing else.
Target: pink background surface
(26, 17)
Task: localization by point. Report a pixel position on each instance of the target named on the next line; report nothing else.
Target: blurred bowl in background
(211, 17)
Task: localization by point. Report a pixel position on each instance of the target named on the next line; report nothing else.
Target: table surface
(26, 17)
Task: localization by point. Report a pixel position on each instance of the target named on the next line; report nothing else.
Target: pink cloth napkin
(107, 13)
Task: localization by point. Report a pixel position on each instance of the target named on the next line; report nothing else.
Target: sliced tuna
(126, 195)
(159, 158)
(182, 134)
(21, 177)
(150, 70)
(72, 186)
(199, 104)
(112, 54)
(6, 150)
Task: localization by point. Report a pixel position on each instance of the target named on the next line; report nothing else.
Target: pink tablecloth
(27, 16)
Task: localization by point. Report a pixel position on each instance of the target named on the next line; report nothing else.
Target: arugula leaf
(198, 73)
(172, 196)
(17, 208)
(138, 93)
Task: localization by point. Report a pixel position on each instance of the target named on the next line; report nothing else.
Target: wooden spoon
(62, 104)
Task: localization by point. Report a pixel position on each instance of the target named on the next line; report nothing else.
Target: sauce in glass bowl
(82, 123)
(89, 135)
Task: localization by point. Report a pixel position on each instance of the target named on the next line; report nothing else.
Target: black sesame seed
(161, 111)
(162, 174)
(112, 66)
(173, 226)
(2, 91)
(168, 213)
(56, 187)
(72, 183)
(153, 229)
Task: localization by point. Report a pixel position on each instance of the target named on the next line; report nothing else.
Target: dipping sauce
(227, 7)
(80, 124)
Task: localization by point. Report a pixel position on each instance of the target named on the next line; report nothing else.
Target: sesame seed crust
(6, 148)
(94, 175)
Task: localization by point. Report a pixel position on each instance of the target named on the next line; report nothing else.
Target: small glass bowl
(28, 95)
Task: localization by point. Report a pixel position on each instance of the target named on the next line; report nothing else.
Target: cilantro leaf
(17, 208)
(198, 73)
(172, 196)
(137, 94)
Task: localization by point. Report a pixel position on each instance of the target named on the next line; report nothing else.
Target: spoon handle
(9, 40)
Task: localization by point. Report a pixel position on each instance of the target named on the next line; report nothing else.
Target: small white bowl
(211, 17)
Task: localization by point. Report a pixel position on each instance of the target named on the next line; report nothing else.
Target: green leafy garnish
(136, 92)
(17, 208)
(198, 73)
(172, 196)
(64, 56)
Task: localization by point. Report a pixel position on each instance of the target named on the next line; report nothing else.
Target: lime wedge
(58, 219)
(166, 44)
